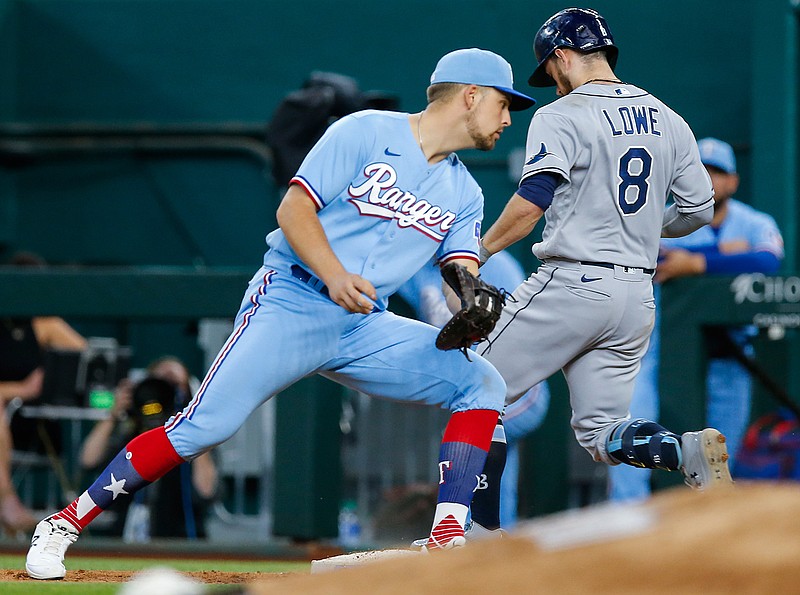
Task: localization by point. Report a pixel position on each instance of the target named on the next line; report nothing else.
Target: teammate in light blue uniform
(423, 292)
(377, 197)
(739, 239)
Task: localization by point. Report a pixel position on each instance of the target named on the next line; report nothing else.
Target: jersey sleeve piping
(459, 254)
(312, 194)
(695, 208)
(551, 170)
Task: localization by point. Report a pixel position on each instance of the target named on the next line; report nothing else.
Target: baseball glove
(481, 305)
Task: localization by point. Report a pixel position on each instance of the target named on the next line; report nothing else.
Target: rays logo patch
(543, 152)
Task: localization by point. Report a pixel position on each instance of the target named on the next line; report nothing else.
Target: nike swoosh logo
(543, 152)
(586, 279)
(386, 151)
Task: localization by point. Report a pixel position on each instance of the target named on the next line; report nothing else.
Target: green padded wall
(212, 62)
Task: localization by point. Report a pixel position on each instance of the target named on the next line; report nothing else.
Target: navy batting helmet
(581, 29)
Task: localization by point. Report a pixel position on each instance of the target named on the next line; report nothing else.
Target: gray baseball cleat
(705, 459)
(50, 541)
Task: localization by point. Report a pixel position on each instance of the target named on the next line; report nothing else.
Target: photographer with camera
(176, 506)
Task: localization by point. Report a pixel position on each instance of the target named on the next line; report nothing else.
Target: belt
(303, 275)
(611, 265)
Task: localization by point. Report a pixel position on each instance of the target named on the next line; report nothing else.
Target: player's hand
(679, 263)
(351, 291)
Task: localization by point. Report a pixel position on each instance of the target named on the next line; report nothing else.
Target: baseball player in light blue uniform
(601, 162)
(423, 292)
(740, 239)
(377, 197)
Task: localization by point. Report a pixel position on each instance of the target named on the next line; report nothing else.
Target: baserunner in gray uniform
(601, 163)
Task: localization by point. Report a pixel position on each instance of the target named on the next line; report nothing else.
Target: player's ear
(470, 96)
(562, 55)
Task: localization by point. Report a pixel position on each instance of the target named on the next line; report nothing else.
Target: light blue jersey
(742, 223)
(384, 209)
(386, 213)
(367, 199)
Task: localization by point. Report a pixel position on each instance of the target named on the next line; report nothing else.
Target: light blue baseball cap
(716, 153)
(474, 66)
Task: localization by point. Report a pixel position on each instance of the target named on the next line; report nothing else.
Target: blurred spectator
(739, 239)
(22, 343)
(177, 505)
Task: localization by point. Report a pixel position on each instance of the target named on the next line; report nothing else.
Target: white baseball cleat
(419, 544)
(705, 459)
(425, 544)
(431, 543)
(473, 532)
(50, 541)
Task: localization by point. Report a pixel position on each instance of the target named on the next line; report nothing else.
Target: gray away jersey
(620, 152)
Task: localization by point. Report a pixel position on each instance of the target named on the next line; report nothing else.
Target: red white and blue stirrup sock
(145, 459)
(461, 459)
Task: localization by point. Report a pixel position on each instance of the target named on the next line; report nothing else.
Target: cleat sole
(717, 455)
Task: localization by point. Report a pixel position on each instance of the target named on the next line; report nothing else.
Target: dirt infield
(211, 577)
(743, 540)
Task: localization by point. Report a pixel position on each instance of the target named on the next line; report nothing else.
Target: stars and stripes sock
(461, 458)
(145, 459)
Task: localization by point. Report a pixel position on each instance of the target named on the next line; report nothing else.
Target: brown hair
(442, 91)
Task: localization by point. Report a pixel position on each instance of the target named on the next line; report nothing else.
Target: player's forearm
(452, 300)
(297, 217)
(676, 224)
(517, 220)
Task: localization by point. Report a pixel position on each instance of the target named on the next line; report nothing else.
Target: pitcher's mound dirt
(740, 540)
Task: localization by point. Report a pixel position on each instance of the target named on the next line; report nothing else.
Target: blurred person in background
(22, 344)
(178, 505)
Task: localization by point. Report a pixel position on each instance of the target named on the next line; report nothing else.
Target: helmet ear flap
(580, 29)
